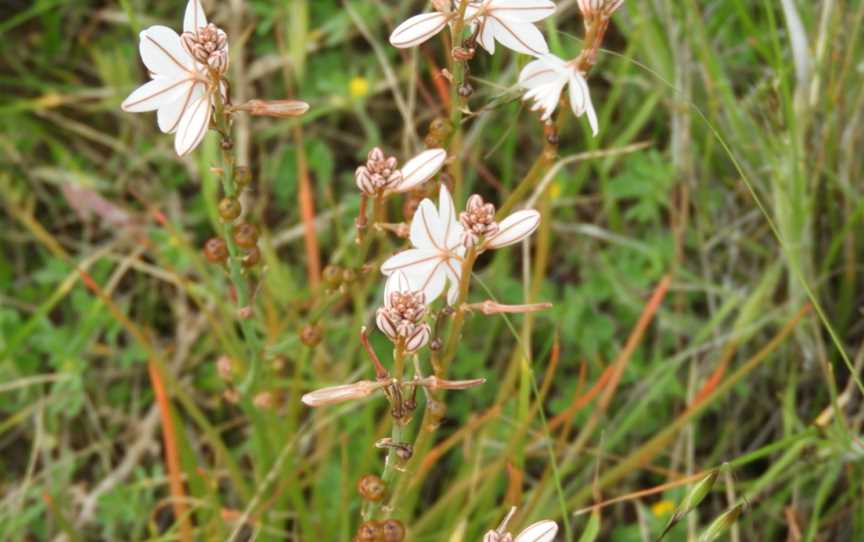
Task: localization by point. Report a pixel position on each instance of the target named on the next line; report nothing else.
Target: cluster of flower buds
(401, 317)
(209, 46)
(380, 176)
(478, 220)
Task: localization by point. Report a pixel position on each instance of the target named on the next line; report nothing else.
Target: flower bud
(215, 250)
(229, 209)
(264, 401)
(225, 368)
(339, 394)
(274, 108)
(246, 235)
(371, 487)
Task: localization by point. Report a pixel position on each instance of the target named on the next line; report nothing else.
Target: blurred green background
(729, 158)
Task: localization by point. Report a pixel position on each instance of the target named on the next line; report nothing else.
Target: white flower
(380, 177)
(181, 89)
(545, 79)
(438, 252)
(513, 229)
(510, 22)
(542, 531)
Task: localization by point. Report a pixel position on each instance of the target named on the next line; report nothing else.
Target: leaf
(592, 529)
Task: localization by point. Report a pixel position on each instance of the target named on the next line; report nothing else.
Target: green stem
(241, 285)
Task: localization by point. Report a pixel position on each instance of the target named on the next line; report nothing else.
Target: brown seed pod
(432, 142)
(311, 335)
(229, 209)
(371, 487)
(348, 276)
(466, 90)
(242, 176)
(215, 250)
(369, 531)
(246, 235)
(440, 126)
(392, 530)
(332, 275)
(253, 258)
(436, 411)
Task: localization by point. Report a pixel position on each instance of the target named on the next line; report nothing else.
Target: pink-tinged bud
(225, 368)
(339, 394)
(489, 307)
(274, 108)
(435, 383)
(418, 339)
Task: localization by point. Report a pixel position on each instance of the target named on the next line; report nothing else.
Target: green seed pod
(229, 209)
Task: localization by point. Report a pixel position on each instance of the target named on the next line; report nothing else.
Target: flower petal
(515, 228)
(169, 115)
(544, 70)
(194, 18)
(529, 11)
(411, 262)
(418, 29)
(518, 36)
(431, 281)
(162, 52)
(159, 92)
(542, 531)
(580, 100)
(193, 125)
(487, 36)
(397, 282)
(427, 230)
(452, 236)
(420, 169)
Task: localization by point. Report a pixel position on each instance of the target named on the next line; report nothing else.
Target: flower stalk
(235, 269)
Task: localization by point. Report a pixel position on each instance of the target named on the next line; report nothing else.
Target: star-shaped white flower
(542, 531)
(509, 22)
(545, 79)
(437, 257)
(181, 89)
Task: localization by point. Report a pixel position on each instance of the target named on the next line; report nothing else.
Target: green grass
(721, 163)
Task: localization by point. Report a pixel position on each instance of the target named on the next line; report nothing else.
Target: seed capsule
(369, 531)
(311, 335)
(253, 258)
(466, 90)
(349, 276)
(246, 235)
(215, 250)
(229, 209)
(436, 411)
(332, 276)
(371, 487)
(242, 176)
(392, 530)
